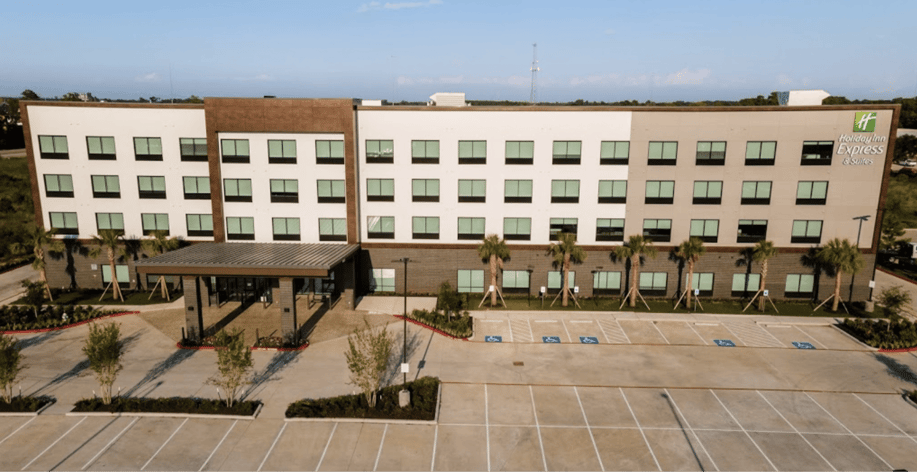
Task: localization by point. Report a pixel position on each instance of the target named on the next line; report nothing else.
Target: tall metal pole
(404, 349)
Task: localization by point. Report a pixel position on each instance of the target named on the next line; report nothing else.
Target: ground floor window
(703, 282)
(556, 279)
(152, 279)
(653, 283)
(799, 285)
(606, 283)
(743, 284)
(516, 281)
(121, 272)
(470, 281)
(382, 280)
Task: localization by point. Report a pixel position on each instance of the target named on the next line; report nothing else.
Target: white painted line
(492, 321)
(581, 321)
(17, 430)
(796, 430)
(487, 427)
(706, 324)
(696, 437)
(117, 437)
(164, 444)
(698, 334)
(589, 428)
(214, 451)
(381, 442)
(269, 451)
(433, 459)
(320, 459)
(810, 337)
(743, 430)
(52, 444)
(530, 330)
(771, 335)
(626, 337)
(777, 326)
(885, 418)
(604, 334)
(544, 460)
(660, 332)
(545, 321)
(851, 432)
(640, 428)
(566, 331)
(735, 335)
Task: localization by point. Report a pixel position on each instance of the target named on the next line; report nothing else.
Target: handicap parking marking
(724, 343)
(550, 339)
(493, 339)
(588, 340)
(803, 345)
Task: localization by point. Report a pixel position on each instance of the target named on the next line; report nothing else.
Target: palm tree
(634, 249)
(565, 251)
(36, 240)
(690, 251)
(160, 243)
(761, 252)
(109, 239)
(843, 257)
(493, 249)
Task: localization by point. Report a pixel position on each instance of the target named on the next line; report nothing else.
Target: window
(106, 186)
(425, 227)
(705, 230)
(760, 153)
(332, 229)
(155, 222)
(812, 193)
(653, 283)
(425, 152)
(703, 282)
(380, 227)
(152, 186)
(614, 153)
(799, 285)
(752, 231)
(659, 231)
(64, 222)
(662, 153)
(520, 152)
(287, 191)
(281, 151)
(756, 193)
(331, 191)
(516, 281)
(101, 147)
(472, 152)
(556, 280)
(240, 228)
(382, 280)
(745, 284)
(562, 225)
(148, 149)
(609, 229)
(471, 281)
(112, 221)
(606, 283)
(517, 229)
(122, 273)
(235, 151)
(472, 191)
(286, 229)
(612, 191)
(517, 191)
(53, 147)
(660, 191)
(567, 152)
(197, 188)
(470, 228)
(817, 153)
(329, 152)
(380, 190)
(425, 190)
(711, 153)
(708, 192)
(238, 190)
(199, 225)
(193, 149)
(565, 191)
(58, 185)
(170, 280)
(380, 151)
(806, 231)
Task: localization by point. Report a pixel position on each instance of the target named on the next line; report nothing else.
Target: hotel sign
(857, 148)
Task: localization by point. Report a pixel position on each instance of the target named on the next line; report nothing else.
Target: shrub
(10, 365)
(234, 361)
(894, 299)
(460, 327)
(168, 405)
(423, 404)
(882, 334)
(24, 404)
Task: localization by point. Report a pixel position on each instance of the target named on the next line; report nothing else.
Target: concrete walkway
(884, 280)
(394, 305)
(11, 283)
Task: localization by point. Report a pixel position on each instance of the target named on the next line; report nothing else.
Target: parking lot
(504, 427)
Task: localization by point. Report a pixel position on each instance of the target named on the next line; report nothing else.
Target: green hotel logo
(864, 122)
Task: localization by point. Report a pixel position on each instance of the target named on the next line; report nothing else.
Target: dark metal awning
(249, 259)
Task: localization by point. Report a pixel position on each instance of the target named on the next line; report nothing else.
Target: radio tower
(535, 70)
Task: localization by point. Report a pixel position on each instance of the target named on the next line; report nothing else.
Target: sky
(407, 50)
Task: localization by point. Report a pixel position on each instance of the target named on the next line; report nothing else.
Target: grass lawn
(91, 297)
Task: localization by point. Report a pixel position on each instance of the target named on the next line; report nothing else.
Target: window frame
(65, 229)
(57, 179)
(383, 275)
(787, 293)
(148, 156)
(56, 142)
(476, 184)
(517, 198)
(286, 236)
(812, 185)
(472, 221)
(102, 155)
(743, 237)
(236, 157)
(284, 194)
(659, 198)
(514, 276)
(696, 282)
(285, 146)
(566, 197)
(195, 155)
(756, 200)
(476, 157)
(807, 225)
(609, 232)
(382, 157)
(197, 181)
(151, 194)
(705, 227)
(238, 197)
(425, 196)
(337, 188)
(157, 219)
(425, 158)
(557, 275)
(202, 232)
(382, 220)
(600, 282)
(120, 270)
(107, 193)
(426, 221)
(381, 196)
(710, 159)
(655, 233)
(750, 285)
(568, 157)
(517, 236)
(762, 146)
(332, 158)
(240, 236)
(707, 199)
(817, 148)
(656, 289)
(333, 235)
(472, 275)
(614, 160)
(99, 227)
(613, 198)
(661, 160)
(520, 147)
(556, 226)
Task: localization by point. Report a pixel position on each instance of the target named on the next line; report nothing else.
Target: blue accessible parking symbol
(803, 345)
(588, 339)
(551, 339)
(493, 339)
(724, 343)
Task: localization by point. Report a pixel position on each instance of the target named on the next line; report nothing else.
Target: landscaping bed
(460, 326)
(900, 334)
(424, 398)
(91, 297)
(184, 405)
(22, 318)
(25, 404)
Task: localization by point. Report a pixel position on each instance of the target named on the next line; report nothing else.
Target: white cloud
(151, 77)
(685, 77)
(374, 5)
(784, 79)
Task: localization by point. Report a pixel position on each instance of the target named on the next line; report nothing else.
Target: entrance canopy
(250, 259)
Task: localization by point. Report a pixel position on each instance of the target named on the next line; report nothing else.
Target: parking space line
(640, 428)
(55, 442)
(117, 437)
(17, 430)
(589, 428)
(885, 418)
(660, 332)
(381, 442)
(214, 451)
(602, 330)
(433, 458)
(269, 451)
(509, 327)
(796, 430)
(538, 429)
(320, 459)
(743, 429)
(771, 335)
(809, 336)
(626, 337)
(566, 330)
(531, 332)
(698, 334)
(848, 430)
(164, 444)
(487, 427)
(733, 333)
(696, 438)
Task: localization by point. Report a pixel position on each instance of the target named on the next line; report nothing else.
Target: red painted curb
(906, 349)
(252, 348)
(73, 325)
(896, 275)
(435, 330)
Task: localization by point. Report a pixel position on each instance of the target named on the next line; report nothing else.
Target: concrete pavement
(11, 283)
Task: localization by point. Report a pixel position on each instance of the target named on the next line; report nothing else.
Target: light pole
(853, 276)
(404, 349)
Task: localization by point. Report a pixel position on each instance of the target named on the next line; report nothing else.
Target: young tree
(634, 249)
(893, 232)
(10, 365)
(565, 252)
(34, 295)
(493, 249)
(843, 257)
(448, 300)
(368, 353)
(37, 240)
(234, 362)
(103, 348)
(760, 253)
(690, 251)
(894, 299)
(110, 241)
(160, 243)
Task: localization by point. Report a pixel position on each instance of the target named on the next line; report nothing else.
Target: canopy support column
(287, 302)
(194, 318)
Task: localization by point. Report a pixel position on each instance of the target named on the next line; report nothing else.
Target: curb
(880, 269)
(906, 349)
(166, 415)
(435, 420)
(251, 348)
(73, 325)
(861, 343)
(29, 413)
(435, 330)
